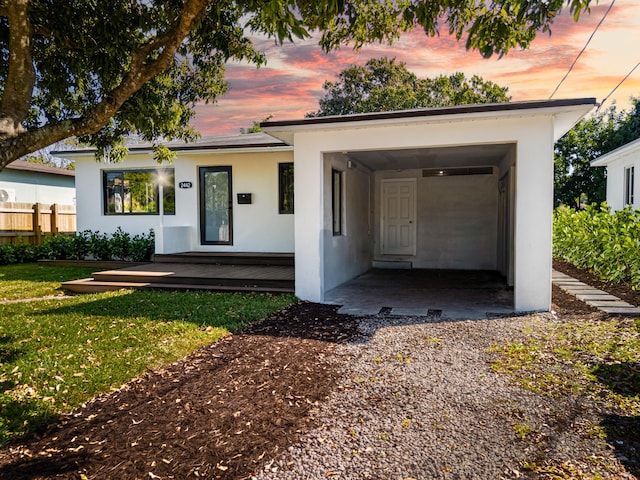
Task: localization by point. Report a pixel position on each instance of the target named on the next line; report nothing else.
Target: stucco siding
(257, 227)
(533, 216)
(534, 137)
(616, 180)
(456, 221)
(351, 253)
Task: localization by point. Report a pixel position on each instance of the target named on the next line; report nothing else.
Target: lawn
(33, 280)
(57, 353)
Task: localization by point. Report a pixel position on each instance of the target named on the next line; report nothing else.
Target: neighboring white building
(466, 187)
(622, 164)
(27, 182)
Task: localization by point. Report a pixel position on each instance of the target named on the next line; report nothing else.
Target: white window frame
(337, 202)
(629, 180)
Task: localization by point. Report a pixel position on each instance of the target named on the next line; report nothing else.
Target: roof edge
(185, 148)
(603, 160)
(26, 166)
(435, 111)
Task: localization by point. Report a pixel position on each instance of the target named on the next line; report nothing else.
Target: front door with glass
(216, 206)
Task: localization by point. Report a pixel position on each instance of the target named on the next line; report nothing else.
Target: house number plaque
(185, 184)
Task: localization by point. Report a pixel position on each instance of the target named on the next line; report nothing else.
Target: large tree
(576, 183)
(383, 85)
(100, 70)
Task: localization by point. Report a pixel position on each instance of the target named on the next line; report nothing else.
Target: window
(628, 185)
(336, 201)
(137, 191)
(285, 187)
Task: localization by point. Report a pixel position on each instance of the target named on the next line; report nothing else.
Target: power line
(583, 48)
(616, 87)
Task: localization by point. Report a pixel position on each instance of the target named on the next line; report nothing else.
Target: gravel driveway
(420, 401)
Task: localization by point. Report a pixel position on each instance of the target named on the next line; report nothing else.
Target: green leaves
(492, 28)
(597, 240)
(108, 69)
(383, 85)
(576, 183)
(81, 246)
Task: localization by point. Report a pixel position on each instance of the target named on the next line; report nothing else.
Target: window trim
(122, 171)
(281, 187)
(629, 185)
(202, 203)
(337, 202)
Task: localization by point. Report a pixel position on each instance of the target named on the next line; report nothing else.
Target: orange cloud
(290, 85)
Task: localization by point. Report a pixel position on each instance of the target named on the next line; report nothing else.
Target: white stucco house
(465, 187)
(26, 182)
(621, 165)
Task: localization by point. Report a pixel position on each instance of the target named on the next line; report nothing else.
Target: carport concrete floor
(451, 294)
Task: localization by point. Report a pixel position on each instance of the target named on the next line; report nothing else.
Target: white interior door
(398, 217)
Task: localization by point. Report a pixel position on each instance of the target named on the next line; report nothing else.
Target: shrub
(99, 246)
(81, 245)
(86, 245)
(120, 244)
(141, 247)
(59, 247)
(607, 244)
(20, 252)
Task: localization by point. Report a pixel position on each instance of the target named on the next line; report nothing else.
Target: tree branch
(18, 90)
(141, 70)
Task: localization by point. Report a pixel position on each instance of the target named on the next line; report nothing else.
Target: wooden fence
(30, 222)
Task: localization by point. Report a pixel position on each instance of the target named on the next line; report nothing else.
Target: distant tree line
(576, 183)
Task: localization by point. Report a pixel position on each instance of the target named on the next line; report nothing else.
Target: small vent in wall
(449, 172)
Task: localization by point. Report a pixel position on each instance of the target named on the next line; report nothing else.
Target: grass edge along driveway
(56, 354)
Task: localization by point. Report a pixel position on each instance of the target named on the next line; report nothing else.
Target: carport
(466, 188)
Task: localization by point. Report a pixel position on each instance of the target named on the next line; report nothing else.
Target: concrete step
(230, 258)
(90, 285)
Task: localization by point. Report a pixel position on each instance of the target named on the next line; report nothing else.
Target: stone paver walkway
(592, 296)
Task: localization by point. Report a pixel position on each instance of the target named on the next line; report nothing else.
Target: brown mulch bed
(215, 414)
(621, 291)
(566, 304)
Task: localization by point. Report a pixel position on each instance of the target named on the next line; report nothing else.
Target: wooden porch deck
(239, 272)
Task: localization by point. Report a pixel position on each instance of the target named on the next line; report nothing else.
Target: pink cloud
(290, 85)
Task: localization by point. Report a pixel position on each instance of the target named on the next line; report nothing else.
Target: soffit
(456, 156)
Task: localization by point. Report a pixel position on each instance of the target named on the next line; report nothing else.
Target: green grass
(33, 280)
(56, 354)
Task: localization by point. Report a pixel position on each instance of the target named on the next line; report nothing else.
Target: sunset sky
(291, 83)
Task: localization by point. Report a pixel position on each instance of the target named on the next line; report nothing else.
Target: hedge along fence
(608, 244)
(85, 245)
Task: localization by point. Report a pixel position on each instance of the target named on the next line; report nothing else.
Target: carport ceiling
(458, 156)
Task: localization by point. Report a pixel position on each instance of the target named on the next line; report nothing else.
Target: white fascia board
(613, 155)
(85, 154)
(564, 118)
(217, 151)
